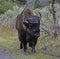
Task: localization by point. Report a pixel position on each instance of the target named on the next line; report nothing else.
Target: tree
(54, 19)
(37, 4)
(5, 5)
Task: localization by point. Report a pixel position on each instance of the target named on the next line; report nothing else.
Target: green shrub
(37, 4)
(5, 5)
(8, 19)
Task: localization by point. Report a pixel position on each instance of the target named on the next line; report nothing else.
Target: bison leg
(25, 46)
(33, 47)
(21, 45)
(32, 44)
(24, 42)
(20, 39)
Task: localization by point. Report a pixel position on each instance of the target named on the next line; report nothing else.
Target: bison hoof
(33, 51)
(25, 51)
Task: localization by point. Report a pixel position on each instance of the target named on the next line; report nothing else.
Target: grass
(9, 42)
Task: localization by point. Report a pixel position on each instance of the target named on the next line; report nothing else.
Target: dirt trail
(4, 55)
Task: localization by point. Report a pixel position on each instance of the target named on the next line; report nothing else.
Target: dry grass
(9, 43)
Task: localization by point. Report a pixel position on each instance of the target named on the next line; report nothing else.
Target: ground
(9, 48)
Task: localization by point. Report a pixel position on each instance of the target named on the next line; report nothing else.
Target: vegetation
(8, 4)
(22, 1)
(9, 38)
(9, 43)
(37, 4)
(5, 5)
(8, 19)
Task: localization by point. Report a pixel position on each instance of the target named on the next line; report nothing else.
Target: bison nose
(36, 32)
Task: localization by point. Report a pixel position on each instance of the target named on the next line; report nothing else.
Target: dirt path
(5, 55)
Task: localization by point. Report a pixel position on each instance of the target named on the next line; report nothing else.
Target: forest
(48, 44)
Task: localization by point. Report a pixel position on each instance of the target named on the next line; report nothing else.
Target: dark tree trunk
(54, 19)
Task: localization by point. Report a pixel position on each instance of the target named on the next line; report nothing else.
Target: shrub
(5, 5)
(8, 19)
(37, 4)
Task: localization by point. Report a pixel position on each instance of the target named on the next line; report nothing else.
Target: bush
(5, 5)
(8, 19)
(37, 4)
(47, 17)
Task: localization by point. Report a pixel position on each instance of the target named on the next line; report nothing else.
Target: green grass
(9, 42)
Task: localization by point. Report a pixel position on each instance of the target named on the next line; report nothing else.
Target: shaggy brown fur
(21, 17)
(27, 13)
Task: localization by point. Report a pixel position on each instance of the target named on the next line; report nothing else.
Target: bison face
(34, 30)
(33, 25)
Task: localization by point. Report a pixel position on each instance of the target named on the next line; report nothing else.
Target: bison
(28, 27)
